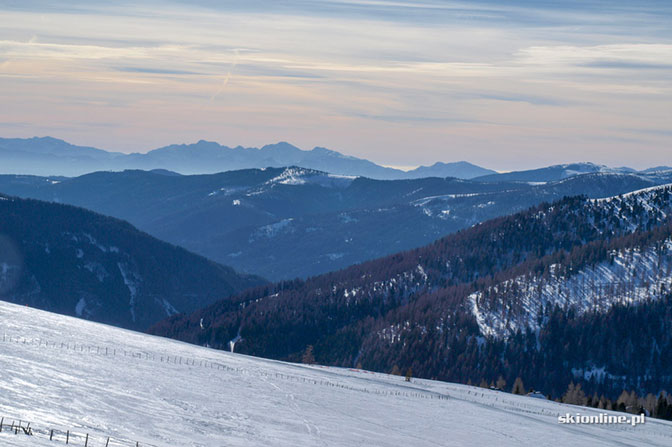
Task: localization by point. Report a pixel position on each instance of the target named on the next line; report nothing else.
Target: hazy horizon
(404, 168)
(507, 87)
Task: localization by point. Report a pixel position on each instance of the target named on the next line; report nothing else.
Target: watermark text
(602, 418)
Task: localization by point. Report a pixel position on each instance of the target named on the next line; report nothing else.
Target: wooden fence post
(51, 434)
(67, 437)
(108, 441)
(86, 441)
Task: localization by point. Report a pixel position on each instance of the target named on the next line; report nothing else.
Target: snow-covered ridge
(602, 173)
(294, 176)
(630, 276)
(425, 200)
(640, 194)
(302, 176)
(64, 373)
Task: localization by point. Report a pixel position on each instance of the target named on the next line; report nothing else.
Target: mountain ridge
(30, 155)
(76, 262)
(282, 223)
(22, 156)
(558, 172)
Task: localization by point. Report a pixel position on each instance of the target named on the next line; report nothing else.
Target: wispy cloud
(158, 71)
(371, 77)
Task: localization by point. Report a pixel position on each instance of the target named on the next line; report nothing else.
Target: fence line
(69, 437)
(201, 363)
(113, 352)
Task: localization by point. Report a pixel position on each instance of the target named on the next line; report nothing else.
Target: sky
(506, 85)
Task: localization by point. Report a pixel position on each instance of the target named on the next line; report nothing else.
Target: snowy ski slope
(67, 374)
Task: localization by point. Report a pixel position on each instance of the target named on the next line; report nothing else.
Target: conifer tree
(574, 395)
(308, 356)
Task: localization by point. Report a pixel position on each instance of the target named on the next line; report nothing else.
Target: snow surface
(68, 374)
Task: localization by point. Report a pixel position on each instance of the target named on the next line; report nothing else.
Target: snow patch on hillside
(629, 277)
(92, 240)
(291, 176)
(271, 230)
(79, 308)
(224, 191)
(444, 197)
(131, 281)
(169, 308)
(97, 269)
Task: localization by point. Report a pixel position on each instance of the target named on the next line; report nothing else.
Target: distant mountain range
(48, 156)
(574, 291)
(560, 172)
(53, 157)
(282, 223)
(77, 262)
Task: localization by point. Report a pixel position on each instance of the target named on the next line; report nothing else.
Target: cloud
(529, 99)
(628, 65)
(36, 50)
(159, 71)
(653, 132)
(319, 71)
(225, 79)
(614, 55)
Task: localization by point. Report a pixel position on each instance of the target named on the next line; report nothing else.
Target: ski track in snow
(56, 374)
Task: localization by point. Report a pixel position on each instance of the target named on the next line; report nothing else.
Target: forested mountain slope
(291, 222)
(77, 262)
(446, 310)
